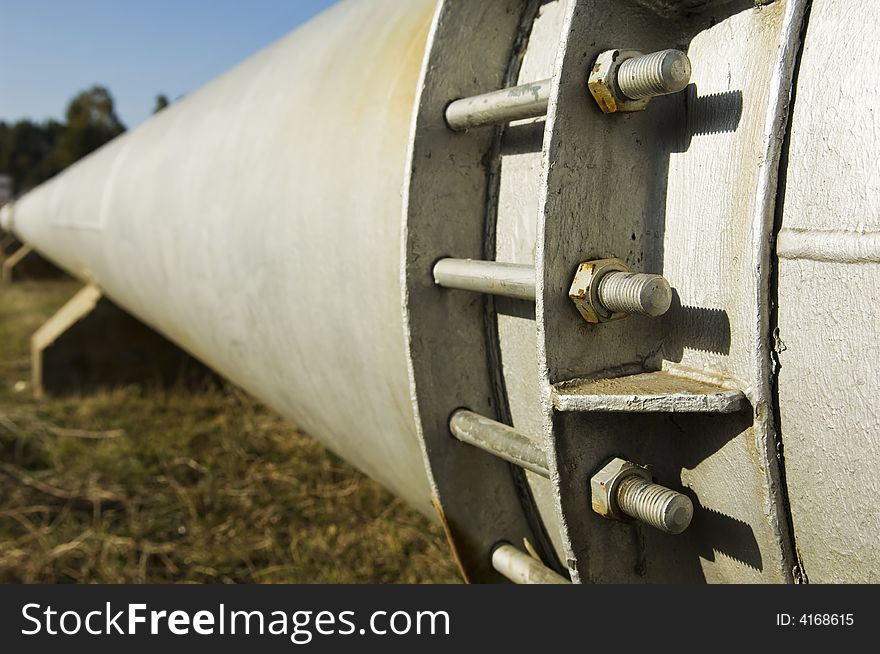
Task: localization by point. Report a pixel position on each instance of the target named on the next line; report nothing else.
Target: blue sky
(52, 49)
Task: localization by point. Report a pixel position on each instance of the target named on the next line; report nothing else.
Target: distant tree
(162, 101)
(52, 163)
(28, 152)
(91, 122)
(4, 147)
(33, 152)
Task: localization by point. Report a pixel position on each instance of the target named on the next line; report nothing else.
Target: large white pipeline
(256, 223)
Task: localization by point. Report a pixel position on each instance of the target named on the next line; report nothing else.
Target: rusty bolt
(653, 75)
(605, 290)
(622, 490)
(626, 80)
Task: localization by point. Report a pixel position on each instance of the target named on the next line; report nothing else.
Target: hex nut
(603, 83)
(603, 487)
(584, 291)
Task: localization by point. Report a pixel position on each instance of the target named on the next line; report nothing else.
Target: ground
(132, 485)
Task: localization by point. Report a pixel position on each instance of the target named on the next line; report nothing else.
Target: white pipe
(257, 223)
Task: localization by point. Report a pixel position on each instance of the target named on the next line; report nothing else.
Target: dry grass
(131, 485)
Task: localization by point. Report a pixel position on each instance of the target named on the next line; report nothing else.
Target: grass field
(132, 486)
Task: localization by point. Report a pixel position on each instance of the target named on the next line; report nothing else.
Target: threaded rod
(642, 293)
(492, 277)
(656, 505)
(516, 103)
(520, 568)
(659, 73)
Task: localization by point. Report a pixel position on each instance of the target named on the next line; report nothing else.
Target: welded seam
(799, 572)
(828, 246)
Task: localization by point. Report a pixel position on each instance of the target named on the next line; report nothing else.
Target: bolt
(652, 75)
(621, 490)
(642, 293)
(656, 505)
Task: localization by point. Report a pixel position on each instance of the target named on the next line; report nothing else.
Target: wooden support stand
(91, 343)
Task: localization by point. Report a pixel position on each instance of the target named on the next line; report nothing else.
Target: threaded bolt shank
(656, 505)
(642, 293)
(651, 75)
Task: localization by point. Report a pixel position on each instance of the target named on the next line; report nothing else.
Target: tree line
(32, 152)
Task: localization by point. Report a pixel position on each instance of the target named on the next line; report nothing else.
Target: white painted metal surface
(829, 291)
(6, 217)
